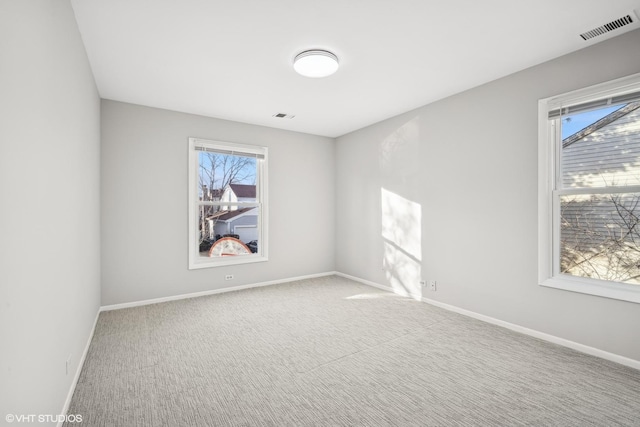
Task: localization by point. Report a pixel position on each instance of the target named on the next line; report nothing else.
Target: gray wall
(454, 171)
(449, 192)
(49, 191)
(144, 203)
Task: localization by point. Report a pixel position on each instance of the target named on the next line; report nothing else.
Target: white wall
(449, 192)
(49, 215)
(144, 203)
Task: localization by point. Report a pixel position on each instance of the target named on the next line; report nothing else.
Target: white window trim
(195, 260)
(547, 156)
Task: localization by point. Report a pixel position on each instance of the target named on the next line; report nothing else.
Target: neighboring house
(243, 222)
(599, 233)
(235, 219)
(605, 153)
(238, 193)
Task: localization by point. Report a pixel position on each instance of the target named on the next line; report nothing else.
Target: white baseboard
(211, 292)
(517, 328)
(76, 377)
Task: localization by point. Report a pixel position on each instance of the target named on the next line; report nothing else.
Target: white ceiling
(233, 59)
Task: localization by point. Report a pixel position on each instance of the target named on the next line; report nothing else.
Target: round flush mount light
(315, 63)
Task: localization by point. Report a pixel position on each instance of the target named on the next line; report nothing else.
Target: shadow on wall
(401, 218)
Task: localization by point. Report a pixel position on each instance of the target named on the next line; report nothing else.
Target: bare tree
(600, 233)
(600, 238)
(217, 172)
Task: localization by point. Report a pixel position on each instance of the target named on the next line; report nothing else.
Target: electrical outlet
(432, 285)
(423, 283)
(228, 277)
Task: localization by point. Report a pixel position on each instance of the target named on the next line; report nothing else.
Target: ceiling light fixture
(315, 63)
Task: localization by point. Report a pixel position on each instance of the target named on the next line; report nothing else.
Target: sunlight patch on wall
(402, 235)
(397, 151)
(401, 223)
(402, 271)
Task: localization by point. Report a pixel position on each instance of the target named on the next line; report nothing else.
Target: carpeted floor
(333, 352)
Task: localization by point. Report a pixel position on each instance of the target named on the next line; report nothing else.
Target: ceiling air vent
(613, 25)
(283, 116)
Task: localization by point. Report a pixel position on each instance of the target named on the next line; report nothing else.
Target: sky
(576, 122)
(248, 173)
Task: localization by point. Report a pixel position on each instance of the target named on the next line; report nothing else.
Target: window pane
(601, 148)
(223, 232)
(227, 230)
(600, 236)
(217, 172)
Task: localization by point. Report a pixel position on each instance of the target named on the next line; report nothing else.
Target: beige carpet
(332, 352)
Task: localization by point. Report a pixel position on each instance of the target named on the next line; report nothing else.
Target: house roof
(609, 118)
(227, 215)
(217, 215)
(243, 190)
(233, 214)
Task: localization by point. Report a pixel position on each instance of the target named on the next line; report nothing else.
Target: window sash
(597, 190)
(593, 105)
(219, 203)
(229, 148)
(558, 191)
(622, 90)
(197, 145)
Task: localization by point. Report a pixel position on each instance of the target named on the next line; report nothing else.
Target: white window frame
(549, 143)
(195, 260)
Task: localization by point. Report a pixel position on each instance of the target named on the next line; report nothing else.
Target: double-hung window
(589, 190)
(227, 203)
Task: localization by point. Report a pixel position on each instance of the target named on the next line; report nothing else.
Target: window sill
(601, 288)
(225, 261)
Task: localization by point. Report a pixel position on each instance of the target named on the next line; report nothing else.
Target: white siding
(608, 156)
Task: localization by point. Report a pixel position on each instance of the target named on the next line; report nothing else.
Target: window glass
(600, 148)
(600, 236)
